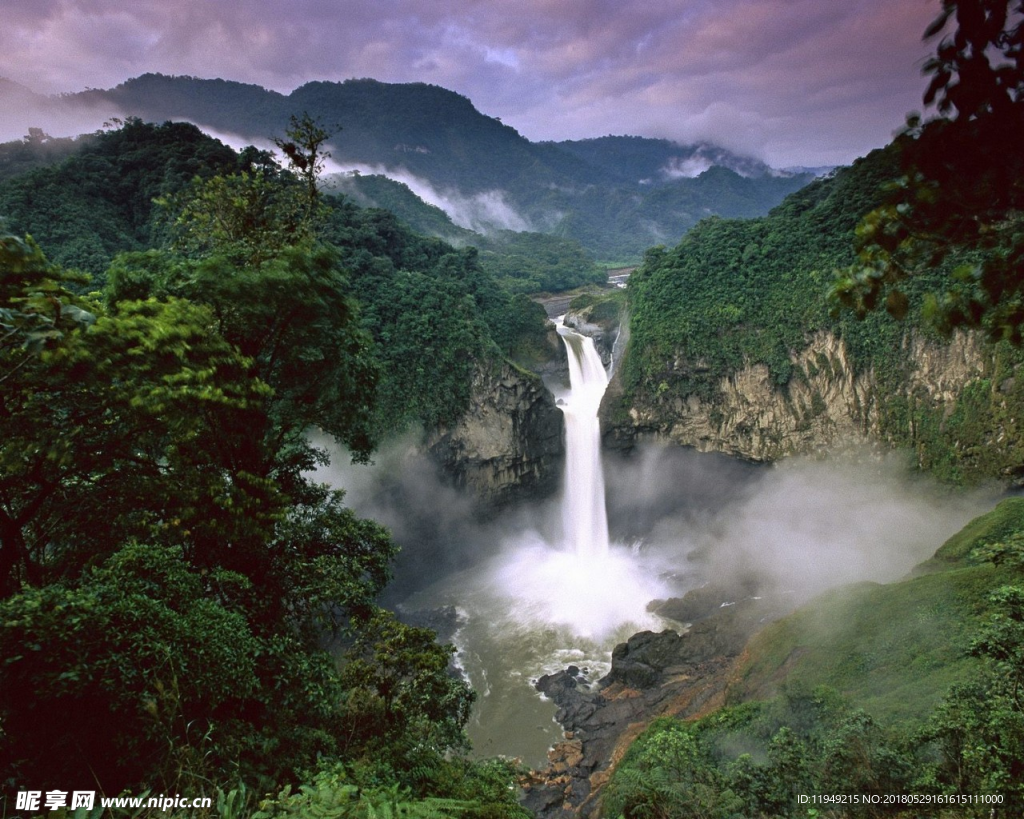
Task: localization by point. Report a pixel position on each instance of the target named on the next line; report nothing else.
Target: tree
(155, 516)
(960, 200)
(402, 706)
(292, 317)
(111, 421)
(248, 217)
(153, 668)
(303, 144)
(978, 729)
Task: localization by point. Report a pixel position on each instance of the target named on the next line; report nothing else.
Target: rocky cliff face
(508, 445)
(824, 403)
(599, 320)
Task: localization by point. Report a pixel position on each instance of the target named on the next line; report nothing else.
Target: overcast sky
(790, 81)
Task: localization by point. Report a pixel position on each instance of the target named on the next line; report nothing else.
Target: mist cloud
(798, 81)
(482, 212)
(23, 110)
(799, 527)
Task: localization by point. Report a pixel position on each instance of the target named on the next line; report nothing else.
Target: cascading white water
(541, 604)
(584, 519)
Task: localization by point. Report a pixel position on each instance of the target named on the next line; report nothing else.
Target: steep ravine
(687, 674)
(509, 446)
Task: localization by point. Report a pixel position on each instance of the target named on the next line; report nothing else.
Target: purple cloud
(797, 81)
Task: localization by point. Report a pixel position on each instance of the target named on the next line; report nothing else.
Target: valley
(425, 470)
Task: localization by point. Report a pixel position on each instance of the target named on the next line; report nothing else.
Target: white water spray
(584, 519)
(589, 588)
(540, 603)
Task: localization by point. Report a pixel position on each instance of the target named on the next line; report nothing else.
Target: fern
(332, 798)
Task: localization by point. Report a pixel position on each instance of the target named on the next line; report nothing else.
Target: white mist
(587, 588)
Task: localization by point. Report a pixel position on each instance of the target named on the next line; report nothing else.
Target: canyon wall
(954, 403)
(508, 445)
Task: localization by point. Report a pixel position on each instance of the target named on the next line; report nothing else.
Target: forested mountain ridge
(735, 346)
(436, 315)
(650, 161)
(438, 137)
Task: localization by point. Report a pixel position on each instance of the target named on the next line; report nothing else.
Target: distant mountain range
(616, 195)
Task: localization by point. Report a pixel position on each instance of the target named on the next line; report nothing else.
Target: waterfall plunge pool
(539, 604)
(547, 586)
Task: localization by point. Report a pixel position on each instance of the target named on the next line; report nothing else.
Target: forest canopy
(959, 196)
(169, 571)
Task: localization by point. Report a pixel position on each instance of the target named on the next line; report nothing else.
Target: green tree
(304, 144)
(101, 416)
(247, 217)
(960, 197)
(403, 709)
(153, 668)
(291, 317)
(978, 730)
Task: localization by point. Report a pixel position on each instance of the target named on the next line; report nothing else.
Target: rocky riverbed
(682, 672)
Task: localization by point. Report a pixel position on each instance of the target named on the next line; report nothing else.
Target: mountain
(646, 161)
(615, 195)
(734, 347)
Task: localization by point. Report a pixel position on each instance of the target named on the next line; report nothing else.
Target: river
(544, 603)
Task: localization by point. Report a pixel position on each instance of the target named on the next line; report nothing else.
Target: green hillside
(522, 262)
(587, 191)
(170, 572)
(101, 201)
(738, 292)
(868, 690)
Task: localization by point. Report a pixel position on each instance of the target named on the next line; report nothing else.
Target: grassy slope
(892, 649)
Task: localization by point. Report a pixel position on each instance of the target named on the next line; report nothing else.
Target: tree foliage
(304, 144)
(168, 571)
(98, 201)
(960, 197)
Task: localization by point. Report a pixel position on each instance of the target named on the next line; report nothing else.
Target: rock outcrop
(825, 401)
(679, 673)
(599, 320)
(508, 445)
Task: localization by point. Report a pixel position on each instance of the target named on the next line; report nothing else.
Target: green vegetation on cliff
(929, 228)
(735, 293)
(906, 688)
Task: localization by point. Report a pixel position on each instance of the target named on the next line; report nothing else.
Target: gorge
(541, 587)
(709, 497)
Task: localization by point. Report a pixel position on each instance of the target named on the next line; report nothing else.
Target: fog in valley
(802, 525)
(678, 519)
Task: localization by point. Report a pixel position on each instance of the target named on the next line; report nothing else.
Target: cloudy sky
(790, 81)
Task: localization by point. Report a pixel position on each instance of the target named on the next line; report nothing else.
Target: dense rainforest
(169, 573)
(106, 199)
(184, 610)
(740, 292)
(868, 691)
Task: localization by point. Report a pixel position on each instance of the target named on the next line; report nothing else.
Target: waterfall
(584, 520)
